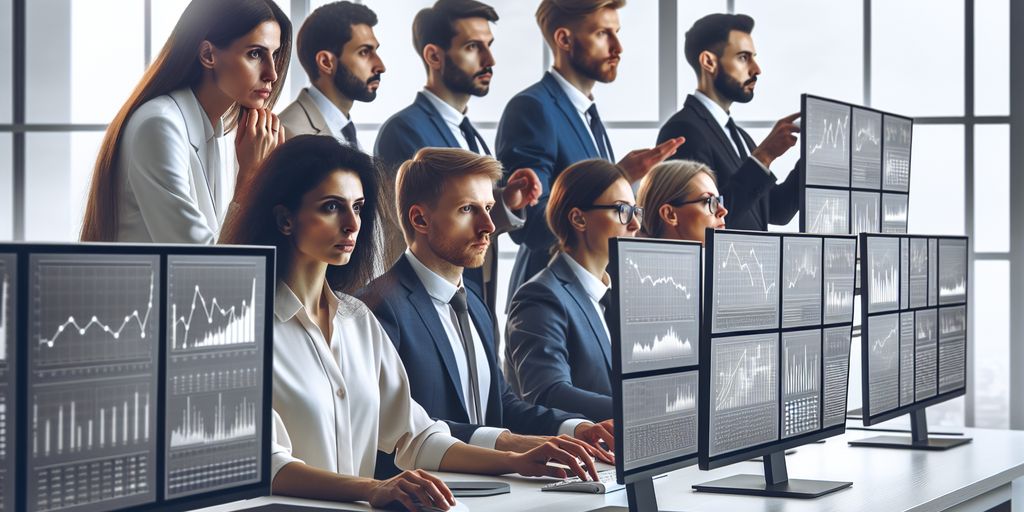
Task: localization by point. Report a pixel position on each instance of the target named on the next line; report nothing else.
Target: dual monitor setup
(134, 377)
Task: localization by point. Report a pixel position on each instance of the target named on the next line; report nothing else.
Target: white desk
(976, 476)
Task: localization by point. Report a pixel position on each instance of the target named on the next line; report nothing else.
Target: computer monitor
(655, 325)
(856, 168)
(914, 332)
(774, 358)
(145, 380)
(8, 377)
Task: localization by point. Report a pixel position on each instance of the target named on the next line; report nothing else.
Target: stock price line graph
(926, 354)
(828, 143)
(952, 271)
(801, 279)
(883, 274)
(883, 363)
(744, 397)
(839, 275)
(746, 274)
(659, 307)
(828, 211)
(866, 171)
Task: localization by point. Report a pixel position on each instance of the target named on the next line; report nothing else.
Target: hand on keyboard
(605, 483)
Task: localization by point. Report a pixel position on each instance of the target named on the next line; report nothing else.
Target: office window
(992, 188)
(937, 180)
(6, 62)
(991, 283)
(633, 95)
(688, 12)
(6, 191)
(991, 60)
(58, 173)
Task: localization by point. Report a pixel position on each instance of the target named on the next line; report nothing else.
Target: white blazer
(177, 173)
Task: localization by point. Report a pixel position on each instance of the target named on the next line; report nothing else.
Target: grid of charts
(655, 326)
(856, 168)
(914, 313)
(775, 361)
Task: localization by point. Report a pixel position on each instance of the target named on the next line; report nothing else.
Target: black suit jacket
(753, 197)
(404, 308)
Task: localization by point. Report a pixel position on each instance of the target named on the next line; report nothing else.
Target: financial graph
(906, 358)
(866, 160)
(801, 281)
(883, 274)
(91, 420)
(883, 339)
(898, 136)
(904, 273)
(933, 272)
(840, 267)
(894, 213)
(6, 309)
(746, 276)
(801, 382)
(659, 305)
(827, 211)
(91, 309)
(826, 126)
(837, 370)
(925, 354)
(744, 394)
(952, 271)
(8, 378)
(659, 418)
(215, 343)
(918, 272)
(952, 348)
(865, 216)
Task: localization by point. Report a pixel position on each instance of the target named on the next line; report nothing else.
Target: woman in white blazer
(340, 390)
(165, 172)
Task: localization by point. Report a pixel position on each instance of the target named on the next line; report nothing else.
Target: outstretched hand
(640, 161)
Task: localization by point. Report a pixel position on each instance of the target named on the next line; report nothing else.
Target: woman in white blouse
(165, 172)
(340, 390)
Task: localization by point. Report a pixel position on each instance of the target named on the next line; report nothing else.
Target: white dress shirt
(336, 120)
(176, 170)
(722, 118)
(594, 287)
(452, 117)
(581, 102)
(337, 403)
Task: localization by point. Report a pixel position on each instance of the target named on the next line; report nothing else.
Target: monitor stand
(775, 482)
(918, 439)
(641, 498)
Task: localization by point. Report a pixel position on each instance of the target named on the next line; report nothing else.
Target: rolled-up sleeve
(280, 446)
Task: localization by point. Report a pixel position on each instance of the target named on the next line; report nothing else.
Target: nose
(270, 71)
(633, 225)
(755, 68)
(722, 211)
(486, 225)
(350, 222)
(486, 58)
(378, 67)
(616, 44)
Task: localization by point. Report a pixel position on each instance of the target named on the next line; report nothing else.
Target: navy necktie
(349, 132)
(472, 137)
(600, 136)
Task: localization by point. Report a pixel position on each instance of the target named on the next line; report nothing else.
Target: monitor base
(755, 485)
(937, 444)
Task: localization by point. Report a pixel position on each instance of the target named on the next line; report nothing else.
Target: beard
(732, 89)
(591, 68)
(352, 87)
(457, 252)
(458, 81)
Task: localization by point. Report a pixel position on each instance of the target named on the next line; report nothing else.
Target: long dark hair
(218, 21)
(292, 170)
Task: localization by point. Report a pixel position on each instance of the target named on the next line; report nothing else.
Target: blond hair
(421, 179)
(667, 182)
(553, 14)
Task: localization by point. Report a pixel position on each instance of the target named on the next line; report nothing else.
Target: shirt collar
(439, 288)
(287, 304)
(448, 112)
(333, 116)
(720, 115)
(579, 100)
(594, 287)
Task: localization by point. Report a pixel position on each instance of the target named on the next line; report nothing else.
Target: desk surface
(883, 479)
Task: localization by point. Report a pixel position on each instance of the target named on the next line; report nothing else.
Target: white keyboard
(604, 484)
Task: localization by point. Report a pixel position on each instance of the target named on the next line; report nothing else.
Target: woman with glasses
(682, 199)
(558, 349)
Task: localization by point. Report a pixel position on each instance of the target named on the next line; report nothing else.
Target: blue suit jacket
(417, 126)
(557, 353)
(540, 129)
(400, 302)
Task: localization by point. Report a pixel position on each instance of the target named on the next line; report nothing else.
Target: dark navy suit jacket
(404, 308)
(540, 129)
(752, 195)
(557, 352)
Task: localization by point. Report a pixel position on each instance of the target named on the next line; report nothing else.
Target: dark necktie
(737, 139)
(600, 136)
(349, 132)
(472, 137)
(606, 305)
(460, 314)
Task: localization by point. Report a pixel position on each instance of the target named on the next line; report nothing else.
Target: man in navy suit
(453, 38)
(555, 122)
(440, 326)
(720, 50)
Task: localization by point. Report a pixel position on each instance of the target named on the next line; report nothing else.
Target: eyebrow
(342, 199)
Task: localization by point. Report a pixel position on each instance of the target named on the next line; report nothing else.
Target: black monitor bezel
(881, 191)
(865, 390)
(614, 327)
(706, 461)
(23, 250)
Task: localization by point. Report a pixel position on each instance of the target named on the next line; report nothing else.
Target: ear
(562, 39)
(708, 62)
(419, 217)
(326, 62)
(206, 56)
(578, 220)
(668, 215)
(433, 55)
(283, 219)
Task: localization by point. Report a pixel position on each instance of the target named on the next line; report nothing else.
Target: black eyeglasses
(713, 203)
(626, 211)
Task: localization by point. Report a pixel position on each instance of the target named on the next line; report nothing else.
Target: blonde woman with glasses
(681, 199)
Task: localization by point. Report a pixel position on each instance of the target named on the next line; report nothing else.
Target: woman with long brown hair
(165, 172)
